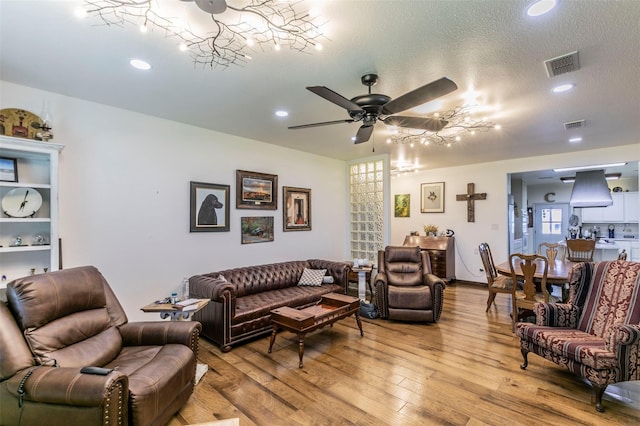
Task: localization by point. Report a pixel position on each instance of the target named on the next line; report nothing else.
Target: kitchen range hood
(590, 190)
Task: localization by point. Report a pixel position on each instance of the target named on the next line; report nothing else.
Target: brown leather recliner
(406, 289)
(56, 323)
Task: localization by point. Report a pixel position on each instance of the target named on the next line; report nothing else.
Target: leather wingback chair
(596, 335)
(406, 289)
(54, 324)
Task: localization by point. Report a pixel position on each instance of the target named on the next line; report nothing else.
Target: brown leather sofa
(56, 323)
(242, 298)
(406, 289)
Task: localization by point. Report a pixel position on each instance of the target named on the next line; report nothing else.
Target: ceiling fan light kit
(231, 35)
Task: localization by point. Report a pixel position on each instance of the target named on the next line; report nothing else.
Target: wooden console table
(441, 253)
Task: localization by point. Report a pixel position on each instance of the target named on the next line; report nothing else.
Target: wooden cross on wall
(470, 198)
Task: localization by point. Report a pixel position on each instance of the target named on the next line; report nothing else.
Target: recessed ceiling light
(563, 88)
(540, 7)
(140, 64)
(282, 113)
(575, 140)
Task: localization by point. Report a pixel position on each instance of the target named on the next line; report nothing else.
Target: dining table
(557, 274)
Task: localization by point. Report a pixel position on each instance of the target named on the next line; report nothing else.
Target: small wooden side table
(167, 310)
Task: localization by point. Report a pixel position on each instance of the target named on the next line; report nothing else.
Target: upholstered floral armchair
(596, 335)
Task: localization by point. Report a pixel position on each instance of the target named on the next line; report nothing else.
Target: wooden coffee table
(331, 308)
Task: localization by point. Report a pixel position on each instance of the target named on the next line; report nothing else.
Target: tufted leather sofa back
(70, 316)
(256, 279)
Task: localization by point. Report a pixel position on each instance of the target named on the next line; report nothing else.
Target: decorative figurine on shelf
(17, 242)
(39, 240)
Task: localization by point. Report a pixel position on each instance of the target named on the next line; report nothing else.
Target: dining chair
(622, 255)
(580, 250)
(552, 251)
(495, 283)
(524, 266)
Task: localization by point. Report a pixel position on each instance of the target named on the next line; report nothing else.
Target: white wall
(491, 214)
(124, 196)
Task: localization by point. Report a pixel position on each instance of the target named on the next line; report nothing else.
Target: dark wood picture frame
(8, 169)
(256, 190)
(432, 197)
(256, 229)
(296, 209)
(209, 211)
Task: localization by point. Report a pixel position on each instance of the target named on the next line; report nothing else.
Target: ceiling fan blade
(212, 6)
(334, 97)
(324, 123)
(423, 123)
(364, 133)
(419, 96)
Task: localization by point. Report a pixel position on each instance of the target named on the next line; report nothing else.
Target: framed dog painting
(209, 207)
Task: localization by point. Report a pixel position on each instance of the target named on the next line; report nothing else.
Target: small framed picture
(256, 229)
(432, 197)
(256, 190)
(209, 207)
(402, 206)
(8, 169)
(296, 209)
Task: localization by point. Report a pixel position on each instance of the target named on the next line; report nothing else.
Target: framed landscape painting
(256, 190)
(296, 209)
(432, 197)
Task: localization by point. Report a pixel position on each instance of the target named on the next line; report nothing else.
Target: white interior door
(550, 223)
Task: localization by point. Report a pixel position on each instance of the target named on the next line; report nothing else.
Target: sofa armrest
(338, 270)
(214, 288)
(556, 314)
(68, 386)
(161, 333)
(623, 334)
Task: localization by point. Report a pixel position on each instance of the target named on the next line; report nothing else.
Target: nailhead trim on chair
(117, 387)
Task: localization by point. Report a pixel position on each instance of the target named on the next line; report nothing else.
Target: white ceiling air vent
(562, 64)
(571, 125)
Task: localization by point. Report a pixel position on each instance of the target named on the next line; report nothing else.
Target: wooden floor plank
(464, 370)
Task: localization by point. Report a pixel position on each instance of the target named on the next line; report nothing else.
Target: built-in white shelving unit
(37, 168)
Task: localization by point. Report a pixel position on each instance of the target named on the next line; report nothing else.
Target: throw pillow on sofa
(312, 277)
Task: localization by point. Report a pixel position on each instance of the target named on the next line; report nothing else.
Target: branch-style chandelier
(461, 124)
(237, 27)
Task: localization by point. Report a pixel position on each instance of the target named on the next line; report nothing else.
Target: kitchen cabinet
(29, 242)
(631, 207)
(614, 213)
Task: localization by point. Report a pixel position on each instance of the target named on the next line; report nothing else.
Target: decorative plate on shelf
(21, 202)
(19, 123)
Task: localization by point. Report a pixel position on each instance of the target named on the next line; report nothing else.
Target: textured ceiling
(489, 46)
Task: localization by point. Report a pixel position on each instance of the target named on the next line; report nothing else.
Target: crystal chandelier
(236, 27)
(461, 123)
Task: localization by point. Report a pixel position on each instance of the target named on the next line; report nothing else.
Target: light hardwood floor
(464, 370)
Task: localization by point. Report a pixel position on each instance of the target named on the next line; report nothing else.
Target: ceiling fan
(374, 107)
